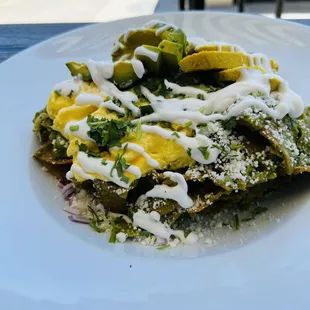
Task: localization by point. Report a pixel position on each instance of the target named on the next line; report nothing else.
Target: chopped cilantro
(180, 96)
(139, 130)
(166, 124)
(221, 148)
(188, 124)
(204, 151)
(115, 230)
(74, 127)
(189, 152)
(163, 247)
(94, 214)
(230, 124)
(176, 134)
(57, 92)
(107, 133)
(120, 165)
(95, 227)
(94, 154)
(203, 130)
(257, 94)
(236, 146)
(146, 109)
(200, 97)
(201, 110)
(82, 147)
(71, 93)
(104, 162)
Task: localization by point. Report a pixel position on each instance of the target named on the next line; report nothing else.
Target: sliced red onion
(78, 219)
(72, 211)
(62, 183)
(70, 200)
(67, 191)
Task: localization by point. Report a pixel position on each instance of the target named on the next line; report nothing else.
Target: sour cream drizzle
(67, 87)
(142, 51)
(177, 193)
(224, 103)
(79, 171)
(188, 143)
(138, 67)
(151, 222)
(96, 100)
(140, 150)
(94, 165)
(100, 79)
(151, 24)
(82, 130)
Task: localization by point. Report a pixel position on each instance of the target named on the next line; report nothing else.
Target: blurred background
(24, 23)
(81, 11)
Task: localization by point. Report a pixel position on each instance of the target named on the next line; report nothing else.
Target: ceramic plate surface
(49, 263)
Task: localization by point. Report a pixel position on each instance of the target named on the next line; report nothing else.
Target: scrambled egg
(167, 153)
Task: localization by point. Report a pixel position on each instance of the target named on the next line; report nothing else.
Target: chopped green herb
(94, 154)
(204, 151)
(176, 134)
(216, 146)
(120, 165)
(107, 133)
(221, 148)
(94, 214)
(181, 96)
(71, 93)
(188, 124)
(139, 130)
(58, 92)
(200, 97)
(146, 110)
(104, 162)
(165, 124)
(257, 94)
(82, 147)
(114, 232)
(237, 221)
(203, 130)
(189, 152)
(201, 110)
(236, 146)
(163, 247)
(95, 227)
(230, 124)
(74, 127)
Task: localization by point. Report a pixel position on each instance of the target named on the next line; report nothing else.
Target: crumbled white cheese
(121, 237)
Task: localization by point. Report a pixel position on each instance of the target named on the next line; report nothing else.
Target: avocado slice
(172, 53)
(77, 68)
(128, 42)
(151, 57)
(178, 36)
(124, 75)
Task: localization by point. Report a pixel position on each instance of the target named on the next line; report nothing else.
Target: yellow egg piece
(56, 103)
(72, 113)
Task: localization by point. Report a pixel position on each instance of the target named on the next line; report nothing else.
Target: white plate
(47, 262)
